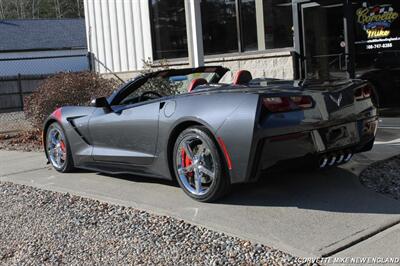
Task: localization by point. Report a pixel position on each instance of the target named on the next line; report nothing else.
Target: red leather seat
(242, 77)
(195, 83)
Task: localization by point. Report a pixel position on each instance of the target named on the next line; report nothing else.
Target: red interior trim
(236, 78)
(196, 82)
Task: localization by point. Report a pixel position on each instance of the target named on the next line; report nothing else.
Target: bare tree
(57, 8)
(33, 8)
(2, 13)
(78, 6)
(18, 9)
(22, 8)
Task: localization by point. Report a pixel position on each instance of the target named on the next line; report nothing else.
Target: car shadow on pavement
(142, 179)
(334, 190)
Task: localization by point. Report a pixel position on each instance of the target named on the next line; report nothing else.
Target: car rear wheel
(57, 149)
(198, 165)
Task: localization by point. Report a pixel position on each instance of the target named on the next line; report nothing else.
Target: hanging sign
(380, 25)
(377, 20)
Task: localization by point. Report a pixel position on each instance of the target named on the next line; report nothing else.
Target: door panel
(324, 42)
(128, 135)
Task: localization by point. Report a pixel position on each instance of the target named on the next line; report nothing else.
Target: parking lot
(322, 213)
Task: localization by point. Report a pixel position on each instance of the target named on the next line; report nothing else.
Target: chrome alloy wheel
(56, 148)
(195, 165)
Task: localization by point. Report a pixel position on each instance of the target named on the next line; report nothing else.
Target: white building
(240, 34)
(42, 46)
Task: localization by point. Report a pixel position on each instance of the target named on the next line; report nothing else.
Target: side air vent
(71, 121)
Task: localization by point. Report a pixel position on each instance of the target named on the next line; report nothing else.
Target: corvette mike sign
(378, 25)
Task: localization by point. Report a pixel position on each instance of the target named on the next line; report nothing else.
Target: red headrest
(242, 77)
(195, 83)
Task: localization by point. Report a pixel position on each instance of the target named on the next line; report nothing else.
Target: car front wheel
(57, 149)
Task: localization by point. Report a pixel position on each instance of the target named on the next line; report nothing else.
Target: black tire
(221, 184)
(68, 165)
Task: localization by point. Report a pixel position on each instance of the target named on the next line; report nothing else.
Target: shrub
(158, 84)
(65, 89)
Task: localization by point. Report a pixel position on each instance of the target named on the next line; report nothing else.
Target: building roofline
(44, 49)
(34, 19)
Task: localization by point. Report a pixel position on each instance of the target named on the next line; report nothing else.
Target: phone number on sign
(379, 46)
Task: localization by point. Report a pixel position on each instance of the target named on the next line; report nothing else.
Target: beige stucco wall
(270, 65)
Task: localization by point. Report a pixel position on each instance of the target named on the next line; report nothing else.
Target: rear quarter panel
(227, 115)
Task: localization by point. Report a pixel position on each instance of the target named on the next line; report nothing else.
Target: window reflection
(168, 24)
(249, 25)
(219, 26)
(278, 23)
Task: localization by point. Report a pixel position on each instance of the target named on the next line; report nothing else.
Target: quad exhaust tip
(334, 159)
(348, 157)
(340, 159)
(324, 162)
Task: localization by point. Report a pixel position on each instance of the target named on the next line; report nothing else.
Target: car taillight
(303, 102)
(277, 104)
(287, 103)
(363, 93)
(367, 92)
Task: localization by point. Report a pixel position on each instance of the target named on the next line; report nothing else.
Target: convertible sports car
(183, 124)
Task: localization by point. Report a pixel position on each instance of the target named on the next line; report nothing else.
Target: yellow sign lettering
(378, 33)
(376, 20)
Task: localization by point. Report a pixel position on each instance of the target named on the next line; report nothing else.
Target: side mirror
(102, 103)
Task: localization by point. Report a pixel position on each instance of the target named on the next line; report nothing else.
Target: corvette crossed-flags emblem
(338, 100)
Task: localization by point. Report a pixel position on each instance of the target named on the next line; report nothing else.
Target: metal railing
(324, 66)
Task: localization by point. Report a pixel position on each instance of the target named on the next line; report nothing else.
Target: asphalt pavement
(321, 213)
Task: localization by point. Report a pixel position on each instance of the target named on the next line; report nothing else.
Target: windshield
(165, 83)
(172, 85)
(182, 83)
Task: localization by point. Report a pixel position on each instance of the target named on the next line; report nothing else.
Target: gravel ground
(383, 177)
(43, 227)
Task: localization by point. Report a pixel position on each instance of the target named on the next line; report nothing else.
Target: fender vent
(71, 121)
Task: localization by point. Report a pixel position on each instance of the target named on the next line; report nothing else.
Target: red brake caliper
(186, 161)
(62, 144)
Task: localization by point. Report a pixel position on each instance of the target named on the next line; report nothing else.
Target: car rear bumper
(323, 147)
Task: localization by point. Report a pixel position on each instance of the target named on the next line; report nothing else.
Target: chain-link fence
(13, 122)
(20, 77)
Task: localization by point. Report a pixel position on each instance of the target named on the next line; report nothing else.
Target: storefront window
(248, 24)
(219, 26)
(168, 25)
(228, 26)
(278, 23)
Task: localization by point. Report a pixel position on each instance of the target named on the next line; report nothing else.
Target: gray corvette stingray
(185, 125)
